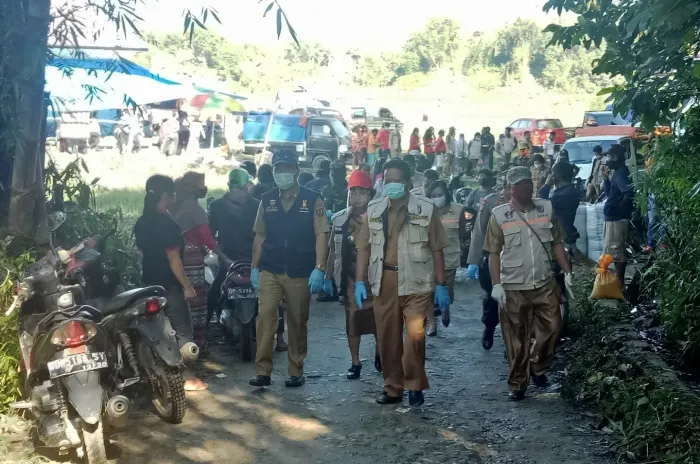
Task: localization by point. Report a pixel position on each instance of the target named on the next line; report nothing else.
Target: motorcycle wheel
(246, 337)
(94, 443)
(168, 393)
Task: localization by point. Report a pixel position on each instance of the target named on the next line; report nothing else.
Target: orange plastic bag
(606, 286)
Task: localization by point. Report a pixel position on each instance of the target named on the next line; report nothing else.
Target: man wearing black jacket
(565, 200)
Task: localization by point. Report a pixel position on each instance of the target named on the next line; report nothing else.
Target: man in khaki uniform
(289, 257)
(521, 239)
(400, 251)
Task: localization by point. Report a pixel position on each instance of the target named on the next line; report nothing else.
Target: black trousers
(489, 314)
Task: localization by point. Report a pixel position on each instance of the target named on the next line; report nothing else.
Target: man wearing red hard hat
(341, 268)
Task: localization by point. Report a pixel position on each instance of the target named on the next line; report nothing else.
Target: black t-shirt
(156, 235)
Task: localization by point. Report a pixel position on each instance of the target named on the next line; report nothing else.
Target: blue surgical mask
(285, 180)
(439, 202)
(394, 190)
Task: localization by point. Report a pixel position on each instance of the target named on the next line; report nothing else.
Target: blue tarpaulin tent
(285, 127)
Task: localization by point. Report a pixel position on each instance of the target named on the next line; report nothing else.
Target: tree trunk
(27, 207)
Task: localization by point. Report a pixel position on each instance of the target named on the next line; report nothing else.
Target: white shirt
(460, 147)
(548, 147)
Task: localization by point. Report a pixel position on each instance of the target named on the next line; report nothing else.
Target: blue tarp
(122, 65)
(285, 127)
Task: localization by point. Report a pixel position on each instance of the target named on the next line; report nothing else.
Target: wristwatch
(321, 267)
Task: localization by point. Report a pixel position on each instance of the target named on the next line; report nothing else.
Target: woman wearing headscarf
(341, 268)
(160, 240)
(194, 223)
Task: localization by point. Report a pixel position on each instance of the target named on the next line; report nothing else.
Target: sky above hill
(374, 24)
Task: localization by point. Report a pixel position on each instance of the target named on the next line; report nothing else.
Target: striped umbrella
(216, 101)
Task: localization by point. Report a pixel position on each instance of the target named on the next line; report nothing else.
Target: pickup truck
(539, 130)
(372, 117)
(313, 138)
(580, 148)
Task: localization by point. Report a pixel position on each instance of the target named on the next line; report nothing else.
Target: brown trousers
(524, 311)
(296, 291)
(403, 363)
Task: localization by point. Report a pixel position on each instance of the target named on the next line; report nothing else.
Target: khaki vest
(338, 222)
(525, 264)
(450, 221)
(416, 270)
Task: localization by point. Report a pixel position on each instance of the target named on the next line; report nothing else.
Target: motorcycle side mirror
(56, 220)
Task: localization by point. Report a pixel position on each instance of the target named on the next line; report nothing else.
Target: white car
(581, 151)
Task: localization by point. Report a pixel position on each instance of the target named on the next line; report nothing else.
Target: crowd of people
(388, 239)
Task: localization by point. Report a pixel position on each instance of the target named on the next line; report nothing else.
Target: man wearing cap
(323, 177)
(487, 183)
(335, 195)
(618, 209)
(342, 258)
(595, 180)
(289, 260)
(522, 239)
(400, 252)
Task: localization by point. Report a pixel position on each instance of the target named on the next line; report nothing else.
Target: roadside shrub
(674, 277)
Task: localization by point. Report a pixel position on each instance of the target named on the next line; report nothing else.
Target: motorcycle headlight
(65, 300)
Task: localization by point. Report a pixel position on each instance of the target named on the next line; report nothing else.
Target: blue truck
(313, 138)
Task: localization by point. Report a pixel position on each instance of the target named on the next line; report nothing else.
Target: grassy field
(130, 201)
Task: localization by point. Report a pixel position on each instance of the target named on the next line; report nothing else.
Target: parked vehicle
(148, 360)
(239, 303)
(66, 362)
(312, 111)
(372, 117)
(539, 130)
(314, 138)
(580, 148)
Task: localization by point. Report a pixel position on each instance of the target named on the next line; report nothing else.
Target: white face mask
(439, 202)
(538, 165)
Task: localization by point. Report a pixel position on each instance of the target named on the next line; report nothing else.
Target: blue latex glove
(255, 277)
(328, 287)
(316, 281)
(329, 213)
(360, 293)
(473, 271)
(442, 297)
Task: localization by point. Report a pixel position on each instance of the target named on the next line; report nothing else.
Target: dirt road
(466, 418)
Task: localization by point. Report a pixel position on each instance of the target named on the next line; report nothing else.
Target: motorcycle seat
(124, 300)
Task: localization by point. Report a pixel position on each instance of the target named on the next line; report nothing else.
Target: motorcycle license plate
(77, 363)
(237, 293)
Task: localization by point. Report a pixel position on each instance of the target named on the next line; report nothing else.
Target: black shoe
(431, 328)
(377, 362)
(487, 338)
(516, 395)
(260, 381)
(540, 380)
(388, 399)
(437, 312)
(354, 372)
(294, 381)
(446, 317)
(415, 398)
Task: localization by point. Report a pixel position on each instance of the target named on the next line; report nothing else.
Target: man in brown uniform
(400, 251)
(289, 260)
(521, 240)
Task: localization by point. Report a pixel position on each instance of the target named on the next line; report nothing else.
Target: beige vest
(524, 262)
(416, 270)
(450, 221)
(338, 222)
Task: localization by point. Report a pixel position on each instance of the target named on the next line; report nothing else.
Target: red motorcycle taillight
(152, 306)
(73, 333)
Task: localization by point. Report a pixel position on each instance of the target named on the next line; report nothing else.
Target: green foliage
(675, 274)
(651, 44)
(436, 45)
(653, 420)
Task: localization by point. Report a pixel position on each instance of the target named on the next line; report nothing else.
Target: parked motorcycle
(148, 361)
(240, 307)
(66, 359)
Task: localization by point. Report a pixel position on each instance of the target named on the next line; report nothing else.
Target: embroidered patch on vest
(319, 210)
(272, 207)
(376, 219)
(417, 217)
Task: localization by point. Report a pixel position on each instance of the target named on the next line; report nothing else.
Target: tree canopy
(652, 44)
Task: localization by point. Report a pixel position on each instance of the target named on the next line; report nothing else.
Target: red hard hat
(360, 179)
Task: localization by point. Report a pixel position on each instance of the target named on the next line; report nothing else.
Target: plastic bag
(606, 286)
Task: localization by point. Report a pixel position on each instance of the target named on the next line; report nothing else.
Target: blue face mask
(394, 190)
(284, 180)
